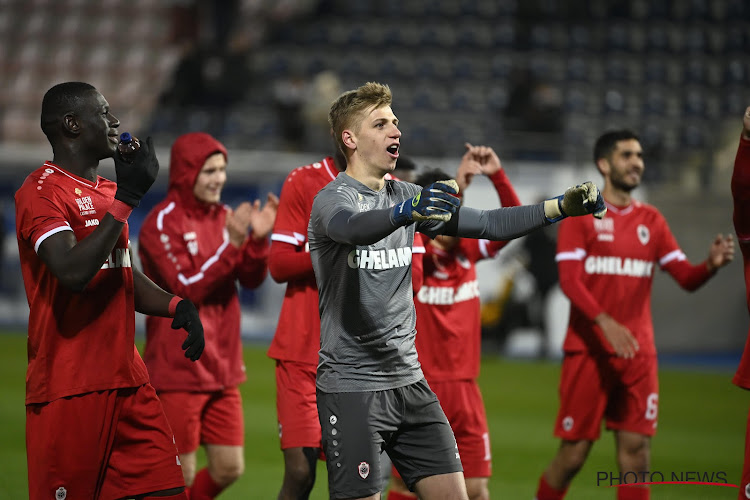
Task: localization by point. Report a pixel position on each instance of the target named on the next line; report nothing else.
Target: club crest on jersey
(364, 470)
(191, 240)
(61, 493)
(643, 234)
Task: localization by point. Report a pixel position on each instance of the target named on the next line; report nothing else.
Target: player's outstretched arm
(436, 203)
(582, 199)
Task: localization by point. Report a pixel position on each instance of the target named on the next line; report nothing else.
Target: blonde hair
(348, 109)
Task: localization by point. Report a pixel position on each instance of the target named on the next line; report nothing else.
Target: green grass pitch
(701, 430)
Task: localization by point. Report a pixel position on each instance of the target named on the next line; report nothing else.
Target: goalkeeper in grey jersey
(372, 396)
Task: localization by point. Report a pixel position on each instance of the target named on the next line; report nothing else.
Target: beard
(619, 183)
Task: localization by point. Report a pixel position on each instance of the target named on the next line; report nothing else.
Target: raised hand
(582, 199)
(262, 220)
(238, 222)
(721, 252)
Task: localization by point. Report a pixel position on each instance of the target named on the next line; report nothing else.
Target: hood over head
(189, 153)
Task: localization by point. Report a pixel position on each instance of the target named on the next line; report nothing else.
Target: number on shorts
(652, 406)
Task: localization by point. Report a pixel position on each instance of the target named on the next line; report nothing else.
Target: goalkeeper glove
(435, 202)
(186, 316)
(134, 179)
(578, 200)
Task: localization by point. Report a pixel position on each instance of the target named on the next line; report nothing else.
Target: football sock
(547, 492)
(633, 493)
(204, 488)
(395, 495)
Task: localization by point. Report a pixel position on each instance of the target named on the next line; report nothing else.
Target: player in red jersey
(192, 244)
(449, 330)
(741, 196)
(94, 425)
(296, 342)
(609, 370)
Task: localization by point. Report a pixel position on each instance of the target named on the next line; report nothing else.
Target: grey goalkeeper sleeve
(499, 224)
(361, 228)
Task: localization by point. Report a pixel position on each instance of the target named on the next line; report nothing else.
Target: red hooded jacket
(185, 249)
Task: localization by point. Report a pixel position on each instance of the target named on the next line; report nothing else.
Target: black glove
(186, 316)
(134, 179)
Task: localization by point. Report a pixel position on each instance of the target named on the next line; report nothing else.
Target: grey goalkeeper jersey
(367, 317)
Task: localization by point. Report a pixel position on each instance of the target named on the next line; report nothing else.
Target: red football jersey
(449, 336)
(297, 336)
(449, 329)
(608, 266)
(78, 341)
(741, 195)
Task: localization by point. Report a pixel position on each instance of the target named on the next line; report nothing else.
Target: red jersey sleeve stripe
(162, 213)
(295, 239)
(577, 254)
(50, 232)
(672, 256)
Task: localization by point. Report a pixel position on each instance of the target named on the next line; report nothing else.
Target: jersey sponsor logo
(78, 192)
(61, 493)
(363, 206)
(120, 257)
(618, 266)
(605, 229)
(605, 225)
(92, 222)
(363, 469)
(379, 259)
(444, 295)
(85, 205)
(643, 234)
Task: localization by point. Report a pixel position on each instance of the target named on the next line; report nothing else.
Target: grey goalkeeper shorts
(407, 423)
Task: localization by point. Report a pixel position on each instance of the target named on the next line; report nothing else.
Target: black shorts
(407, 423)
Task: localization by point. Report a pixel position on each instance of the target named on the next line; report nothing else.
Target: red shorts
(205, 418)
(463, 405)
(623, 391)
(100, 445)
(296, 405)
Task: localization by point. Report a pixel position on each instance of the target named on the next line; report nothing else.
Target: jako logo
(379, 259)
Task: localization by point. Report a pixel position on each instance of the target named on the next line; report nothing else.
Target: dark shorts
(407, 423)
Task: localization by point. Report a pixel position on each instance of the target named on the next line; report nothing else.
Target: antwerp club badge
(364, 470)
